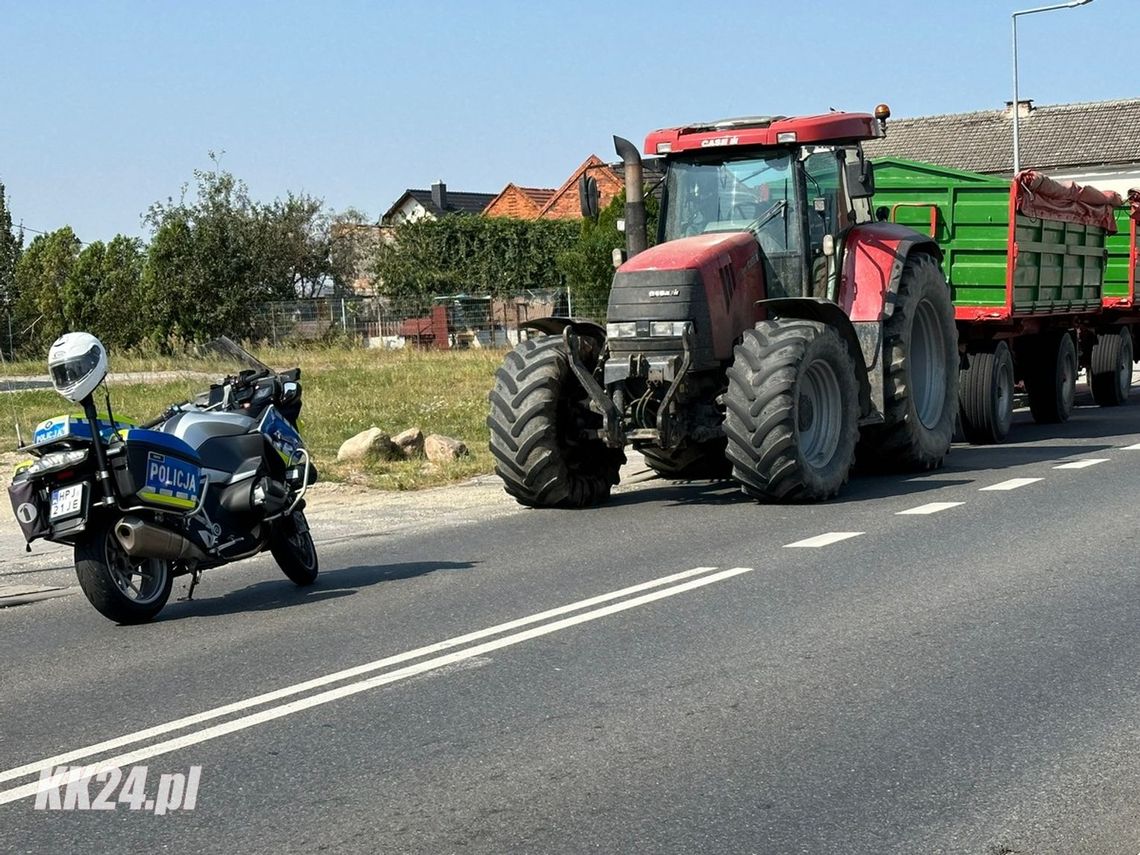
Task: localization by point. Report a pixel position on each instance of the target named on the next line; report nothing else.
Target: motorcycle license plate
(66, 501)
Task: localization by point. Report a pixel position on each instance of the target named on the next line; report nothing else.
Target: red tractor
(774, 329)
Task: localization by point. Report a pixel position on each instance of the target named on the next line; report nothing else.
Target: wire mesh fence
(453, 321)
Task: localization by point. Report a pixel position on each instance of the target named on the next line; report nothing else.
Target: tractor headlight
(667, 329)
(625, 329)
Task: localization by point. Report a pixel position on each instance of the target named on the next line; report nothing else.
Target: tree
(353, 243)
(117, 312)
(588, 264)
(296, 244)
(11, 246)
(216, 259)
(41, 285)
(465, 254)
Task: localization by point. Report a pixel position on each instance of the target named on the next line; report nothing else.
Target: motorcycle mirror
(289, 391)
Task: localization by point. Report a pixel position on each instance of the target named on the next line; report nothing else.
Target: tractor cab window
(821, 169)
(755, 193)
(746, 194)
(825, 213)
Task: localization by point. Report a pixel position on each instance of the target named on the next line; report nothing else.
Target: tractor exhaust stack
(635, 236)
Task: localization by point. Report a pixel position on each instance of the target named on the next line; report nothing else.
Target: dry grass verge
(346, 391)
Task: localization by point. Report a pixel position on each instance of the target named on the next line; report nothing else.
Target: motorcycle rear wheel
(127, 590)
(292, 547)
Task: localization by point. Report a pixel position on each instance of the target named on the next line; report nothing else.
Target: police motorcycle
(207, 483)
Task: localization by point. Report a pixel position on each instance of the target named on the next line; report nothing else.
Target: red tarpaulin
(1048, 199)
(1134, 202)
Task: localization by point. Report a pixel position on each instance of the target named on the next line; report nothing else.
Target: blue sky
(108, 107)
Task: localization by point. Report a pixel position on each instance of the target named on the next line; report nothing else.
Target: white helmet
(77, 363)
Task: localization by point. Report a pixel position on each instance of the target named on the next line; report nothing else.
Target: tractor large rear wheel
(920, 389)
(792, 411)
(539, 416)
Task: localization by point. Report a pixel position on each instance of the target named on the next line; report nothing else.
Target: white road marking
(932, 508)
(1135, 447)
(1082, 464)
(1011, 484)
(356, 671)
(330, 695)
(823, 539)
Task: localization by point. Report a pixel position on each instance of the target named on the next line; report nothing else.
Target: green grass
(345, 391)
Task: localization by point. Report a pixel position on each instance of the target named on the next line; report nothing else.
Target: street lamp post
(1016, 98)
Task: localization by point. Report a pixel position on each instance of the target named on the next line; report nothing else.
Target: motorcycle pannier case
(159, 470)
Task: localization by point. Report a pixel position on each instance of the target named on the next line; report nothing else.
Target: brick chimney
(439, 195)
(1024, 108)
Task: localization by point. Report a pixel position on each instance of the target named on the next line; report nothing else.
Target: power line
(24, 228)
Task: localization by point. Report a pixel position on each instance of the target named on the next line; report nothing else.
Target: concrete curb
(18, 595)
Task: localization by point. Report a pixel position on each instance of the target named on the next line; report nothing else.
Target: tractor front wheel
(540, 423)
(792, 411)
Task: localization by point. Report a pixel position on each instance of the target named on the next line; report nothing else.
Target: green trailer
(1043, 281)
(1120, 271)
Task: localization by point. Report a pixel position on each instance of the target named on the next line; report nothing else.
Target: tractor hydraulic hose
(635, 236)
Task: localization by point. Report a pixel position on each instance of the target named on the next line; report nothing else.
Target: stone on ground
(371, 444)
(443, 449)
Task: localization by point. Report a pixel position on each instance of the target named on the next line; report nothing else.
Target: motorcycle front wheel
(292, 547)
(127, 590)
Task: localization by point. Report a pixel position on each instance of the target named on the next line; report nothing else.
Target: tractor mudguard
(864, 345)
(555, 325)
(873, 258)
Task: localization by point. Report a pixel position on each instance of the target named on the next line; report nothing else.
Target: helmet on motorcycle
(77, 363)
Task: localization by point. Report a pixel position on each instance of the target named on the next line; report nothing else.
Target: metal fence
(453, 321)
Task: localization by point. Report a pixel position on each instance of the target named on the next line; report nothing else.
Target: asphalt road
(669, 673)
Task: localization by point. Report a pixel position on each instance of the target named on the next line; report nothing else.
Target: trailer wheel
(792, 411)
(1051, 378)
(920, 346)
(986, 395)
(1110, 369)
(694, 460)
(539, 412)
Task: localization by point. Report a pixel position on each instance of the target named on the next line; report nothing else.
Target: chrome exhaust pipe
(636, 239)
(141, 539)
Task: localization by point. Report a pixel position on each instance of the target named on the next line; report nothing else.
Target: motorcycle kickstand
(195, 578)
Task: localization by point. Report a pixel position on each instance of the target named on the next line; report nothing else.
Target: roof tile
(1091, 133)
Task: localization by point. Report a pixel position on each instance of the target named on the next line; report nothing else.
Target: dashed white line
(1135, 447)
(931, 508)
(1082, 464)
(1011, 484)
(823, 539)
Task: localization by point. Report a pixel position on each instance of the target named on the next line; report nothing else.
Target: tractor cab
(795, 184)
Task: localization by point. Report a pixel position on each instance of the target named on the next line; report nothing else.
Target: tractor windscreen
(746, 194)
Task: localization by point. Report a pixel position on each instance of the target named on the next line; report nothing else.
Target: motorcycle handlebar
(237, 384)
(167, 413)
